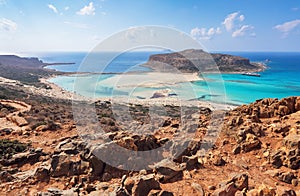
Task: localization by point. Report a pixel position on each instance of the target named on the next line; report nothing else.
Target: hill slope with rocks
(200, 61)
(25, 70)
(256, 153)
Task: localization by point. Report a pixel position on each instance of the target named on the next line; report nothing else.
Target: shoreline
(60, 93)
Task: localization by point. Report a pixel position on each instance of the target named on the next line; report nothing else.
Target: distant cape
(192, 60)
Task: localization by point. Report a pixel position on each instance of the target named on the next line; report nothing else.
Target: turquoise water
(281, 79)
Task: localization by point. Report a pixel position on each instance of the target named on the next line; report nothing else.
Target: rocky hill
(198, 60)
(26, 70)
(42, 152)
(13, 60)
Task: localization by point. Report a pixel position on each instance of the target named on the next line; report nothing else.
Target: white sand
(134, 79)
(149, 79)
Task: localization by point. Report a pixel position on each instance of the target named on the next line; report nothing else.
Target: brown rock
(264, 190)
(287, 177)
(169, 173)
(238, 182)
(97, 165)
(217, 160)
(144, 184)
(277, 158)
(42, 173)
(228, 189)
(41, 128)
(297, 104)
(20, 121)
(60, 165)
(198, 188)
(251, 143)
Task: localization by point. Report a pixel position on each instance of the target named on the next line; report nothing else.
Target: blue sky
(79, 25)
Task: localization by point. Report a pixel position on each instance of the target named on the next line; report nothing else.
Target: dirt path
(13, 120)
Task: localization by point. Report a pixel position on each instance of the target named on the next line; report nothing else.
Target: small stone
(295, 182)
(198, 188)
(212, 188)
(106, 177)
(143, 172)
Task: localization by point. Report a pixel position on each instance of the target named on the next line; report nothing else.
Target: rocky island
(42, 152)
(192, 60)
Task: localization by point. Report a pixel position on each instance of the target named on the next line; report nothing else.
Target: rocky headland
(193, 60)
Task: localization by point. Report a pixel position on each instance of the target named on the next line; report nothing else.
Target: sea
(281, 78)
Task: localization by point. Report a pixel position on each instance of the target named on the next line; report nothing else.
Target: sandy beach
(148, 79)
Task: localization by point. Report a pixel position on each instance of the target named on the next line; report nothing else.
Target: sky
(80, 25)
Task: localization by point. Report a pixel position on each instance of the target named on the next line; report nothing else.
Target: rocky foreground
(257, 151)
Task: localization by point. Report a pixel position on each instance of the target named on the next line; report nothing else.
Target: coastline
(60, 93)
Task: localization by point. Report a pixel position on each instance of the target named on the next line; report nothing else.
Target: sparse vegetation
(8, 148)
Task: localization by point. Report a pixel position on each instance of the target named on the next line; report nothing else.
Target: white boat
(251, 74)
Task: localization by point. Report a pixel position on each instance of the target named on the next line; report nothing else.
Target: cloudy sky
(79, 25)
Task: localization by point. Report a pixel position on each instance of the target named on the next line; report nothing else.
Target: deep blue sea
(281, 79)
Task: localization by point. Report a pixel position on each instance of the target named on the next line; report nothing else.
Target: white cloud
(229, 21)
(295, 9)
(288, 27)
(243, 31)
(53, 8)
(87, 10)
(204, 34)
(8, 25)
(67, 8)
(242, 18)
(234, 24)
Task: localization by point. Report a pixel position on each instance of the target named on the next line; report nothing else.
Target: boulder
(64, 165)
(238, 182)
(97, 165)
(61, 165)
(20, 121)
(228, 189)
(144, 184)
(287, 177)
(169, 173)
(198, 189)
(251, 143)
(289, 154)
(42, 173)
(5, 177)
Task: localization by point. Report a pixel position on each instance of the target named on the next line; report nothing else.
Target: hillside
(26, 70)
(256, 152)
(197, 60)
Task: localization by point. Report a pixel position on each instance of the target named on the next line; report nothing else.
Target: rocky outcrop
(256, 153)
(200, 61)
(237, 183)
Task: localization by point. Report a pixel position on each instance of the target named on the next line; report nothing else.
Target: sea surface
(281, 79)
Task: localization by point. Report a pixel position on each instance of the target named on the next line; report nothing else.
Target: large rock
(251, 143)
(238, 182)
(20, 121)
(287, 177)
(42, 173)
(141, 185)
(289, 154)
(168, 173)
(64, 165)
